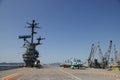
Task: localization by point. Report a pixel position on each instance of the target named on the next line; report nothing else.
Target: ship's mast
(31, 54)
(32, 31)
(33, 26)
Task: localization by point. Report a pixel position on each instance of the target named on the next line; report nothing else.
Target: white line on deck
(71, 75)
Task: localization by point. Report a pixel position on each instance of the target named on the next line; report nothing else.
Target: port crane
(92, 62)
(117, 55)
(104, 59)
(107, 54)
(31, 54)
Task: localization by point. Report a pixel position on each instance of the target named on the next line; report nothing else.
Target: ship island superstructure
(31, 55)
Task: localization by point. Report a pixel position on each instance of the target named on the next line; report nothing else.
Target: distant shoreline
(8, 66)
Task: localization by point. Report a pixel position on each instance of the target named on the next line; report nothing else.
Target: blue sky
(69, 26)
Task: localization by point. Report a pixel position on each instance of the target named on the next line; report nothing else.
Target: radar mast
(31, 54)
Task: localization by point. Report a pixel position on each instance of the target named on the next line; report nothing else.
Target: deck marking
(71, 75)
(11, 76)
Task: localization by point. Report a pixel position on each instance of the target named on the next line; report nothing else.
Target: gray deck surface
(58, 73)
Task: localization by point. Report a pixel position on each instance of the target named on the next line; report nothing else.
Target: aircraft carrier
(33, 70)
